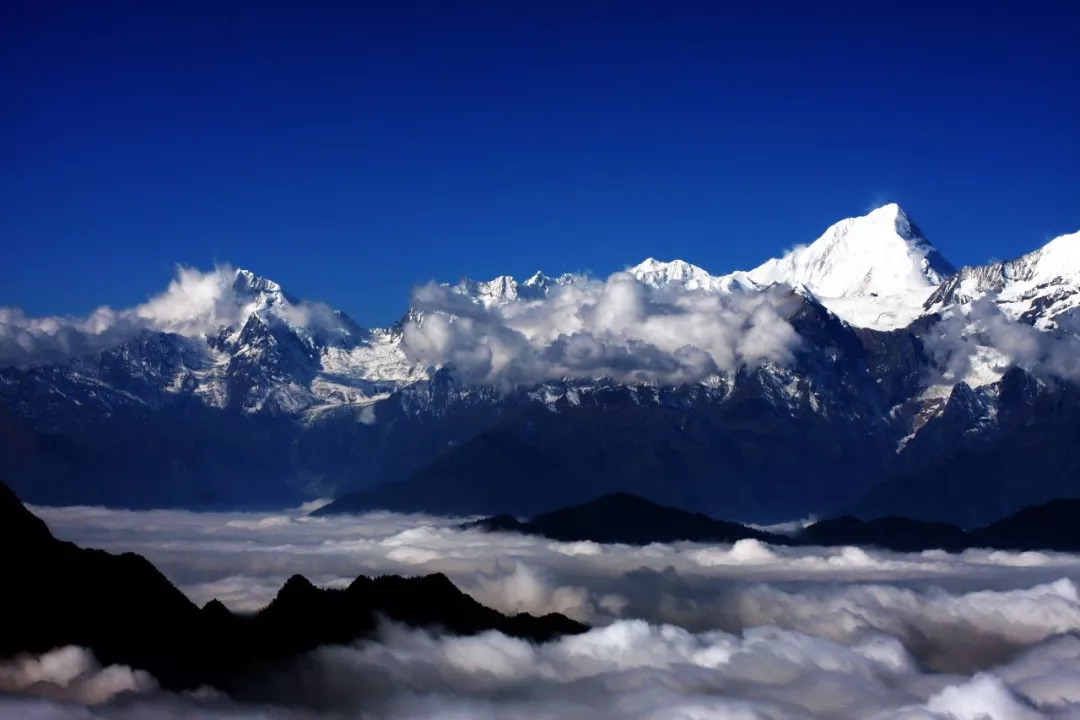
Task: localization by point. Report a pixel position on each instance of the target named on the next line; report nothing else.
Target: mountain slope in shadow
(628, 519)
(1051, 526)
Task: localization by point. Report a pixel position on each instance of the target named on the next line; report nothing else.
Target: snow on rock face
(1059, 258)
(680, 274)
(881, 253)
(506, 289)
(493, 292)
(276, 352)
(1037, 288)
(872, 271)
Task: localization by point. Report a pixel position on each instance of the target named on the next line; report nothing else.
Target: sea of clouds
(684, 630)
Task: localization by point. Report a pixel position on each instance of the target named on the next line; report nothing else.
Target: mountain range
(862, 372)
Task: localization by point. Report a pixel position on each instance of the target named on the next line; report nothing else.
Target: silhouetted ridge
(1052, 526)
(625, 518)
(890, 533)
(498, 523)
(19, 524)
(126, 612)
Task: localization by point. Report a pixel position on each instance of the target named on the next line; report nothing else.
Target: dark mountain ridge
(126, 612)
(624, 518)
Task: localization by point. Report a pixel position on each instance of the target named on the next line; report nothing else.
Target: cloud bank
(681, 631)
(71, 674)
(617, 328)
(629, 670)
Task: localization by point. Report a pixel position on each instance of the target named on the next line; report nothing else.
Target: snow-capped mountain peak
(539, 285)
(248, 282)
(875, 271)
(881, 253)
(654, 272)
(492, 292)
(1036, 287)
(506, 289)
(679, 273)
(1057, 259)
(314, 323)
(538, 279)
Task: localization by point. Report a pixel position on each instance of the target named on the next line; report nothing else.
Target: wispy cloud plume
(980, 334)
(71, 674)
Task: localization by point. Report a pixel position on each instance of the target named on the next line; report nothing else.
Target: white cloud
(628, 670)
(979, 333)
(71, 674)
(617, 328)
(195, 302)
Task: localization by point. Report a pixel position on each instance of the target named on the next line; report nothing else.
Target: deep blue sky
(351, 150)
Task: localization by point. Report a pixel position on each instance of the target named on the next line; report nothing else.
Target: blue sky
(352, 150)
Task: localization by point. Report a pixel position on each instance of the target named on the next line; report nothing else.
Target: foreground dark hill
(892, 533)
(1051, 526)
(624, 518)
(120, 607)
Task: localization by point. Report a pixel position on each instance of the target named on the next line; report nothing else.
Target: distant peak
(679, 273)
(249, 281)
(891, 210)
(901, 221)
(295, 585)
(651, 264)
(537, 278)
(881, 253)
(671, 270)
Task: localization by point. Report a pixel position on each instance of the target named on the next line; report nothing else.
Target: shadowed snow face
(682, 631)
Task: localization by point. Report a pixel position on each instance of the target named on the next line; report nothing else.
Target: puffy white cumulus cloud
(195, 302)
(617, 328)
(628, 670)
(71, 674)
